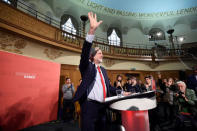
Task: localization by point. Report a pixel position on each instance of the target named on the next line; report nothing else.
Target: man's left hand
(126, 93)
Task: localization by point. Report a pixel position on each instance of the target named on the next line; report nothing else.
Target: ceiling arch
(158, 24)
(181, 29)
(177, 13)
(181, 21)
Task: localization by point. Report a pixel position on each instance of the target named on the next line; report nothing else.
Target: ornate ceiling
(147, 6)
(134, 18)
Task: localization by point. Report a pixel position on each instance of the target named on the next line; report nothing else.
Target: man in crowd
(68, 106)
(132, 86)
(192, 81)
(185, 99)
(148, 84)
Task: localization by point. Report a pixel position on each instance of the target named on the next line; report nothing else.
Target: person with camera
(185, 100)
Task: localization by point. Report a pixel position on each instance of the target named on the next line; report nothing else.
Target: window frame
(113, 38)
(68, 26)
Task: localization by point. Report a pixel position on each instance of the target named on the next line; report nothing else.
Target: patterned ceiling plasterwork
(111, 11)
(153, 64)
(12, 43)
(53, 53)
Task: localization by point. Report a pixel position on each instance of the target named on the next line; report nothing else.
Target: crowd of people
(177, 97)
(177, 103)
(134, 85)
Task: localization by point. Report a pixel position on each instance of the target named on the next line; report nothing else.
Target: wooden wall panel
(72, 72)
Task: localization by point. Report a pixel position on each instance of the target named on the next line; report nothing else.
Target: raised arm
(94, 24)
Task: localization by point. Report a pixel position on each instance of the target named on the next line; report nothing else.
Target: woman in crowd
(119, 82)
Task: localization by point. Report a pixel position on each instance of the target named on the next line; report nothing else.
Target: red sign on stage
(29, 91)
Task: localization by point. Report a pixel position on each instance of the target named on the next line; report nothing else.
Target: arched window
(69, 27)
(114, 39)
(7, 1)
(156, 34)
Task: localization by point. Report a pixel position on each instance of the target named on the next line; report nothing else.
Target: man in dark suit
(95, 86)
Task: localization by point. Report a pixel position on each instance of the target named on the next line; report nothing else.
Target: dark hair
(118, 76)
(133, 77)
(67, 78)
(93, 53)
(128, 78)
(149, 77)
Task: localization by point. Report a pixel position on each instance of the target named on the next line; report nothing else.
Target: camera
(180, 93)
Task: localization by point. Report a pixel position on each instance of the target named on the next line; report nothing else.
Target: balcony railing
(75, 42)
(23, 6)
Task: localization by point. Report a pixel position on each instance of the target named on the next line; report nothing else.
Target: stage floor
(55, 126)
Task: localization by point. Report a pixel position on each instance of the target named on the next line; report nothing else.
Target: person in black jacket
(169, 89)
(192, 81)
(133, 87)
(95, 86)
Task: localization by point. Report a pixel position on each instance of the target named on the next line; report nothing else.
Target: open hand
(93, 23)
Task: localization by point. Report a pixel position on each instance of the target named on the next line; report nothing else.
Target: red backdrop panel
(28, 91)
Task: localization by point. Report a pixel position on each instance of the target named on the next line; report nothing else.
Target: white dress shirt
(89, 38)
(97, 91)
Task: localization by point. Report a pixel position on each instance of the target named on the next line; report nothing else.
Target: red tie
(102, 81)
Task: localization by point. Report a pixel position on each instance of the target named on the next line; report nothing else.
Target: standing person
(170, 90)
(127, 84)
(192, 81)
(141, 86)
(148, 84)
(118, 83)
(68, 106)
(162, 83)
(133, 86)
(95, 86)
(77, 108)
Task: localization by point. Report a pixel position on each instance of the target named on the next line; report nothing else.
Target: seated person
(185, 99)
